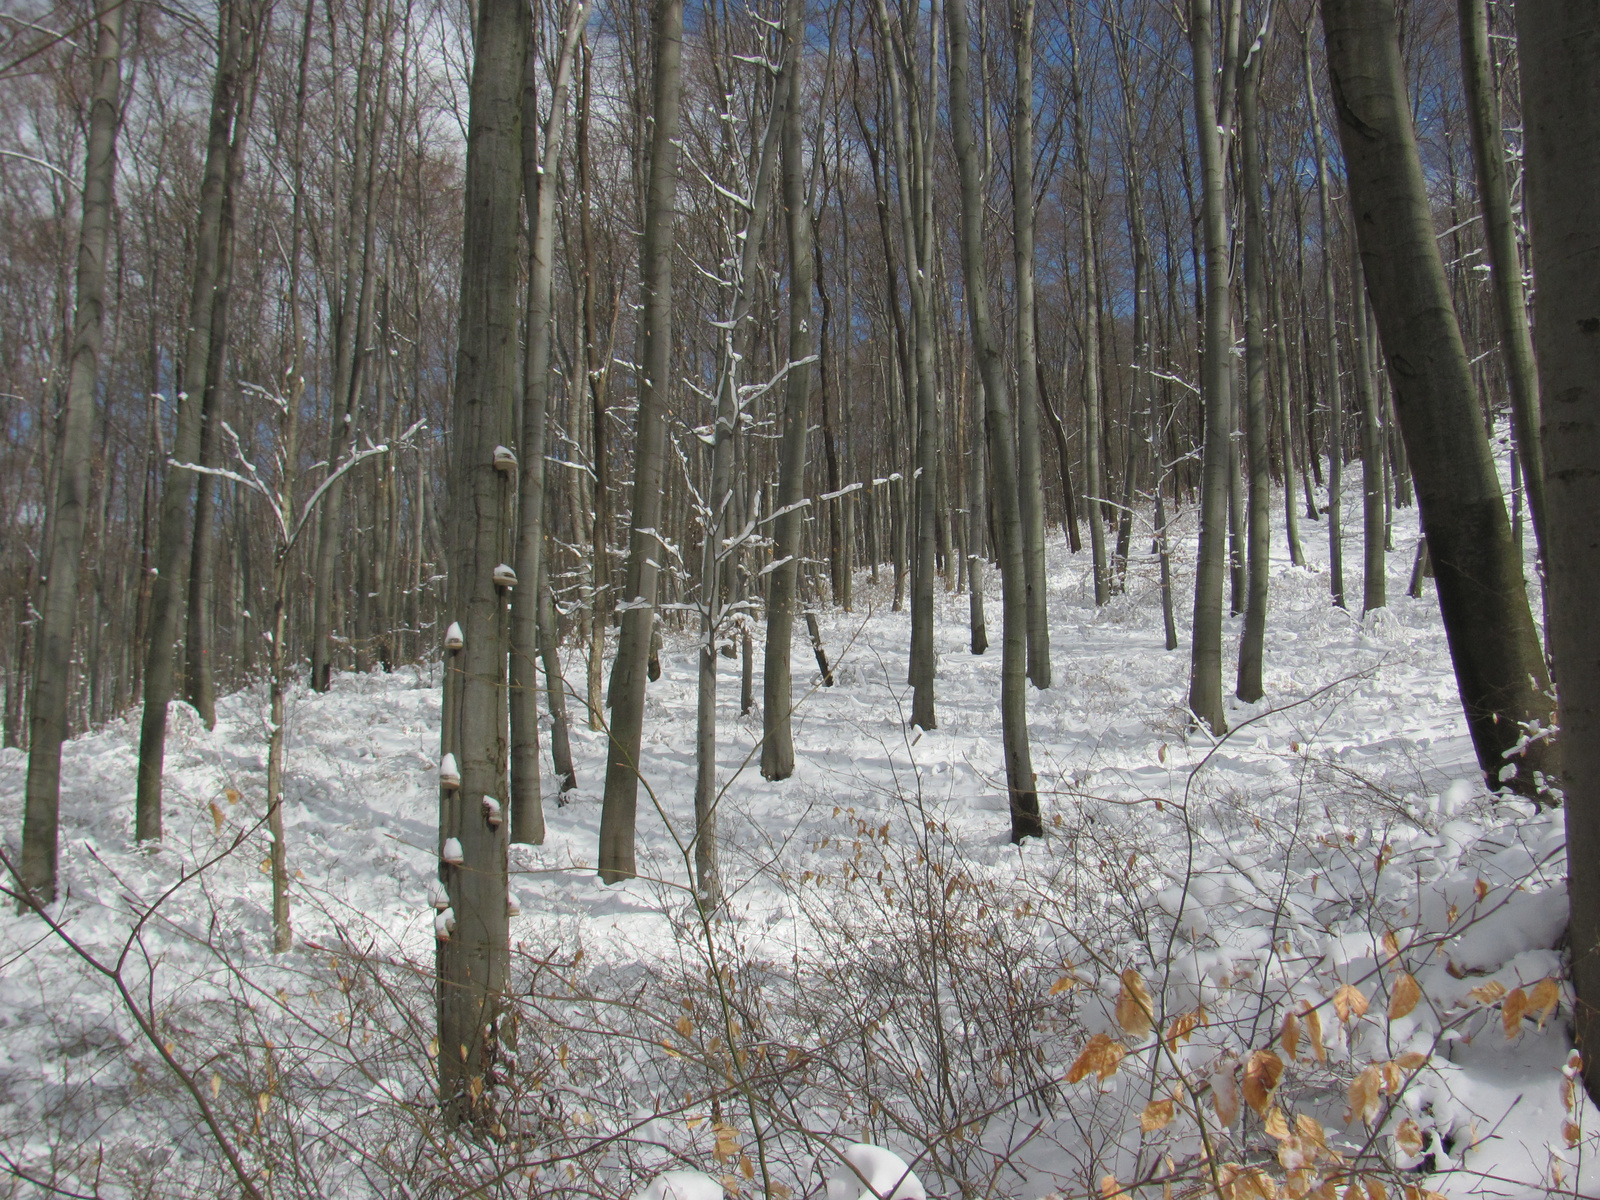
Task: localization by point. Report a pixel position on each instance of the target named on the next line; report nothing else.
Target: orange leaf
(1156, 1115)
(1489, 992)
(1349, 1001)
(1276, 1125)
(1261, 1075)
(1571, 1132)
(1376, 1190)
(1289, 1035)
(1404, 996)
(1101, 1055)
(1182, 1028)
(1363, 1095)
(1310, 1129)
(1412, 1060)
(1409, 1137)
(1133, 1005)
(1062, 984)
(1314, 1034)
(1511, 1011)
(1544, 997)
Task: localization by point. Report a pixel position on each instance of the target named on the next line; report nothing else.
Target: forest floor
(1334, 862)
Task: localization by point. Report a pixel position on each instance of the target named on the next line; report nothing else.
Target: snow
(912, 979)
(883, 1172)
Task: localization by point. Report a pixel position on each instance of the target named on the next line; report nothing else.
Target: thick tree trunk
(1021, 785)
(777, 742)
(1205, 665)
(1559, 48)
(1029, 449)
(1374, 586)
(1255, 408)
(48, 713)
(619, 809)
(1505, 262)
(474, 963)
(1499, 670)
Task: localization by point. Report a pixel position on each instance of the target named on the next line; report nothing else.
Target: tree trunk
(1374, 586)
(977, 527)
(172, 544)
(655, 360)
(1500, 240)
(474, 963)
(1331, 329)
(1499, 670)
(1205, 666)
(539, 186)
(1020, 783)
(1029, 456)
(1559, 49)
(1255, 408)
(48, 713)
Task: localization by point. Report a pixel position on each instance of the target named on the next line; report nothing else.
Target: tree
(48, 714)
(1558, 43)
(1021, 787)
(1216, 389)
(626, 696)
(475, 961)
(1499, 670)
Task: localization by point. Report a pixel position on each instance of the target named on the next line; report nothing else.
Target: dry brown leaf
(746, 1167)
(1408, 1136)
(1488, 993)
(1480, 889)
(1276, 1124)
(1062, 984)
(1310, 1129)
(1572, 1133)
(1156, 1115)
(1364, 1091)
(1289, 1035)
(1349, 1001)
(1182, 1028)
(685, 1025)
(1511, 1012)
(1391, 945)
(1294, 1154)
(1261, 1075)
(1544, 997)
(1133, 1005)
(1412, 1060)
(1376, 1190)
(727, 1147)
(1403, 997)
(1101, 1055)
(1109, 1187)
(1314, 1034)
(216, 817)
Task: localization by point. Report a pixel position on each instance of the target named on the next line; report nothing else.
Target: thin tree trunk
(977, 527)
(620, 805)
(1022, 788)
(1331, 327)
(1505, 262)
(777, 741)
(1029, 456)
(172, 545)
(1374, 589)
(1255, 408)
(1499, 670)
(48, 712)
(539, 186)
(1205, 669)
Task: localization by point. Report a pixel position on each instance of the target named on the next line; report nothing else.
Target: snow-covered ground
(1322, 912)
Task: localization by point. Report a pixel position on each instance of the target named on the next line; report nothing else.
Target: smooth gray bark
(619, 808)
(1205, 664)
(474, 964)
(1499, 669)
(1021, 785)
(1259, 540)
(1029, 449)
(47, 717)
(1505, 261)
(1559, 48)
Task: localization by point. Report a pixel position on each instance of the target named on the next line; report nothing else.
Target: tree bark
(619, 808)
(1495, 649)
(1255, 408)
(1020, 783)
(1500, 240)
(48, 712)
(474, 963)
(1559, 48)
(777, 742)
(1205, 664)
